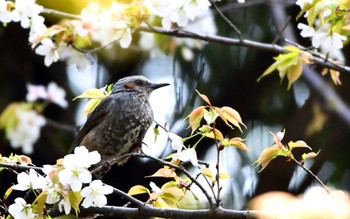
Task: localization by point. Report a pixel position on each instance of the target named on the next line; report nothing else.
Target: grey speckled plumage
(119, 123)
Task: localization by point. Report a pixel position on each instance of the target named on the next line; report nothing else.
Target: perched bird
(119, 123)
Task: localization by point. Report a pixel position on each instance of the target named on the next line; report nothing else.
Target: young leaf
(210, 116)
(211, 132)
(195, 117)
(39, 202)
(7, 193)
(269, 154)
(164, 172)
(92, 93)
(232, 116)
(90, 106)
(235, 142)
(75, 199)
(298, 144)
(224, 175)
(204, 97)
(309, 155)
(138, 189)
(156, 132)
(207, 172)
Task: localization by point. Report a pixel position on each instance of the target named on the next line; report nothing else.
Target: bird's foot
(101, 169)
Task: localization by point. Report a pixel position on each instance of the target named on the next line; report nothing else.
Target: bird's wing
(95, 118)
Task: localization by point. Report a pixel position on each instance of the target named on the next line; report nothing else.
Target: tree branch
(235, 29)
(20, 167)
(180, 168)
(312, 174)
(243, 43)
(150, 211)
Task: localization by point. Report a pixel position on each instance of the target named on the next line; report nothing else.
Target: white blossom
(29, 181)
(74, 57)
(56, 94)
(155, 188)
(37, 30)
(49, 50)
(35, 92)
(188, 155)
(24, 10)
(123, 34)
(328, 40)
(176, 142)
(94, 194)
(21, 210)
(5, 15)
(85, 25)
(27, 130)
(86, 158)
(306, 31)
(302, 3)
(76, 165)
(65, 205)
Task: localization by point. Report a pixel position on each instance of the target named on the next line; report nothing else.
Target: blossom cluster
(101, 25)
(23, 121)
(60, 183)
(326, 32)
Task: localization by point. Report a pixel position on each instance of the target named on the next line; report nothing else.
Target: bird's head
(137, 83)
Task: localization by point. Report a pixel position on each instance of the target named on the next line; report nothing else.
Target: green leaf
(298, 144)
(138, 189)
(7, 193)
(39, 203)
(156, 132)
(92, 93)
(75, 199)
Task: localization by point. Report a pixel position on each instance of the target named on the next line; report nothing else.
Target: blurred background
(226, 74)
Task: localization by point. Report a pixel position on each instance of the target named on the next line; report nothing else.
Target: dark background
(230, 80)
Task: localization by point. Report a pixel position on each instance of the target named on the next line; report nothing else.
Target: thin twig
(61, 14)
(245, 43)
(62, 126)
(235, 29)
(182, 169)
(20, 167)
(133, 200)
(312, 174)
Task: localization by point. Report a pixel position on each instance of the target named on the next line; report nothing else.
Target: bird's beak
(156, 86)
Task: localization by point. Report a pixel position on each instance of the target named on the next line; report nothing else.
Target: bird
(118, 124)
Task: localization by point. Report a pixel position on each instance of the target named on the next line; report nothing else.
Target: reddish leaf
(211, 132)
(195, 117)
(269, 154)
(204, 97)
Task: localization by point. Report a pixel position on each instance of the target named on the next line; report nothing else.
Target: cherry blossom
(27, 130)
(188, 155)
(55, 94)
(5, 15)
(49, 50)
(35, 92)
(24, 10)
(306, 31)
(176, 142)
(76, 165)
(85, 25)
(65, 205)
(74, 57)
(21, 210)
(94, 194)
(29, 181)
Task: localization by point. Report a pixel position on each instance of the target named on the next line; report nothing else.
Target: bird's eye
(138, 82)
